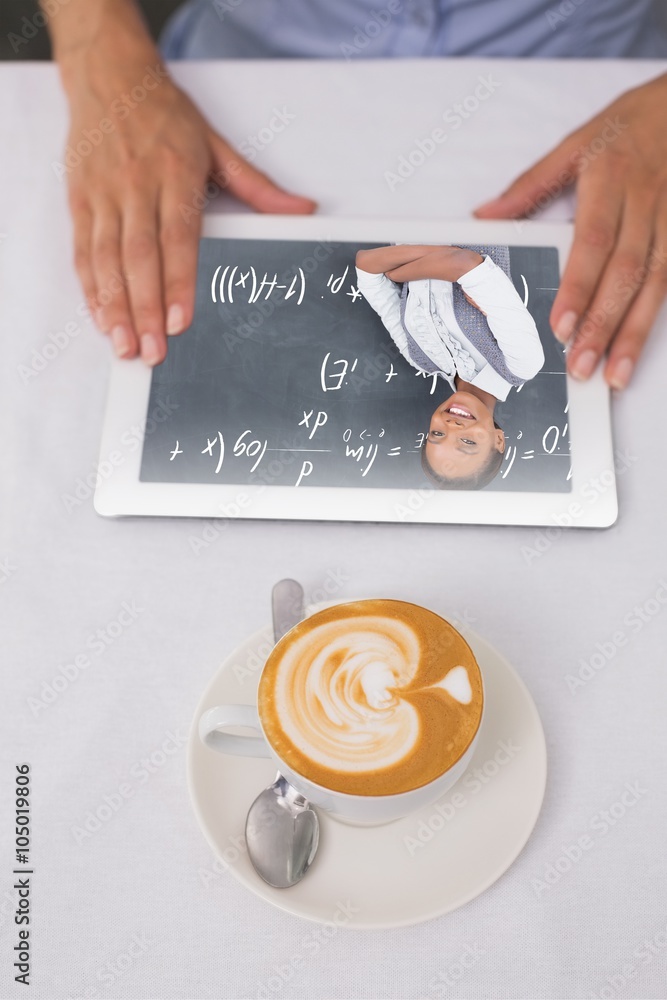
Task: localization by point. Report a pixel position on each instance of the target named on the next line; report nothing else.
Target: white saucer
(404, 872)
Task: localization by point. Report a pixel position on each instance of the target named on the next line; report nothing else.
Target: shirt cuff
(480, 272)
(365, 279)
(489, 380)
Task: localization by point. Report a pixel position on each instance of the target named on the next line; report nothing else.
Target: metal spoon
(282, 829)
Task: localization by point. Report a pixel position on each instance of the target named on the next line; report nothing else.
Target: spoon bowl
(282, 833)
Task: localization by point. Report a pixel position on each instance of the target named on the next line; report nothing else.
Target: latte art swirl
(363, 694)
(338, 693)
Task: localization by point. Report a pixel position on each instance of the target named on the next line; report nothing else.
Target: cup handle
(213, 723)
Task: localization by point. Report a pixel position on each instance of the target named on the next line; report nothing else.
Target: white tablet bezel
(591, 502)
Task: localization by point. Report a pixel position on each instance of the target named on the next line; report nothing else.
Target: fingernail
(175, 320)
(150, 349)
(122, 341)
(621, 373)
(584, 366)
(565, 326)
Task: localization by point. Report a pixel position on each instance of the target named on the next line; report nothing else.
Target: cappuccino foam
(371, 698)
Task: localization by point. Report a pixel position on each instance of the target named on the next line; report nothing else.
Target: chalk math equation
(232, 280)
(288, 377)
(361, 449)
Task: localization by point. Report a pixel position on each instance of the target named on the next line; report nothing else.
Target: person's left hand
(615, 279)
(473, 303)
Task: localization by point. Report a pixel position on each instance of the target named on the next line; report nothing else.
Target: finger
(142, 268)
(597, 221)
(630, 339)
(112, 304)
(252, 186)
(473, 303)
(83, 225)
(536, 187)
(179, 244)
(622, 278)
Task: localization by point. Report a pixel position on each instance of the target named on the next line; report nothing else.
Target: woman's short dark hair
(477, 481)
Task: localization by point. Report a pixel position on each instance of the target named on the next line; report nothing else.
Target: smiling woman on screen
(453, 312)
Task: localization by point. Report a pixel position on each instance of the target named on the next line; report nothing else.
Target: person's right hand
(137, 197)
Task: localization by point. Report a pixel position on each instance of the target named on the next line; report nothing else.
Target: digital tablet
(364, 370)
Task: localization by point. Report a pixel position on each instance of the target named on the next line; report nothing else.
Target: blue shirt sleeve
(366, 29)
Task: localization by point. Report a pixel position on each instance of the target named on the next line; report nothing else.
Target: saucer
(405, 872)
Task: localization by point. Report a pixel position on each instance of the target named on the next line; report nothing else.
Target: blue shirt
(363, 29)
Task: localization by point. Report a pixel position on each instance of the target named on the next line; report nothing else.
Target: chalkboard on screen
(287, 377)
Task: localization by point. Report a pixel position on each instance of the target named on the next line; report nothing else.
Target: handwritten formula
(288, 378)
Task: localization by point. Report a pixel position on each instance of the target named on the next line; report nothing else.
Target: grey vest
(472, 322)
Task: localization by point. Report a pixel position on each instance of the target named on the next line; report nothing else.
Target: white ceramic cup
(359, 810)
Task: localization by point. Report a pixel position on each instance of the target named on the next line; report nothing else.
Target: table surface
(580, 601)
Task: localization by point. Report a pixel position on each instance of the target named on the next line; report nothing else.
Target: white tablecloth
(134, 886)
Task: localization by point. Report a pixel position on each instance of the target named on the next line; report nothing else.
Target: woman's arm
(383, 259)
(138, 160)
(444, 263)
(385, 298)
(410, 261)
(509, 320)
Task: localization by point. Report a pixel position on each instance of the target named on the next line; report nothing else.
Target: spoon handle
(287, 603)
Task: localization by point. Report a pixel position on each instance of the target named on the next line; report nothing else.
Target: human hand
(473, 303)
(136, 198)
(615, 279)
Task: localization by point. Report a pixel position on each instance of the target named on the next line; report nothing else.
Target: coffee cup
(370, 709)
